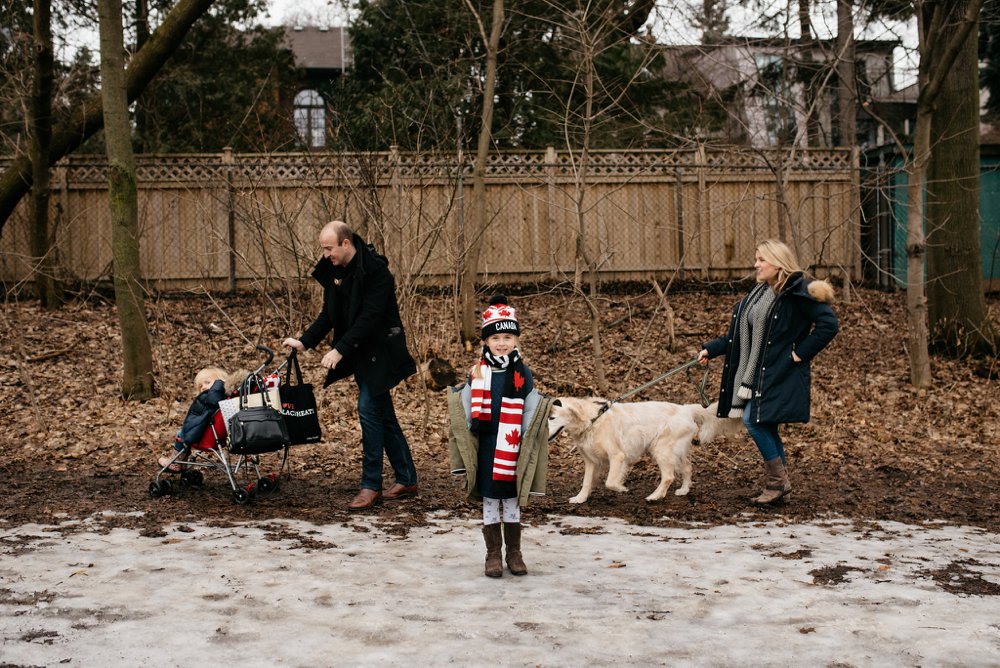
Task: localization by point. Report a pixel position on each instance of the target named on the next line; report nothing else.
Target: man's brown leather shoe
(366, 498)
(398, 491)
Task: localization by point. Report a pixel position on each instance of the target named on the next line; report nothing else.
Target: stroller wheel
(241, 497)
(192, 478)
(268, 483)
(161, 488)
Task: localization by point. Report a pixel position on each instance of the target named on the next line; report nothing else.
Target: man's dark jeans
(381, 433)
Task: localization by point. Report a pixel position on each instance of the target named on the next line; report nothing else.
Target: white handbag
(230, 407)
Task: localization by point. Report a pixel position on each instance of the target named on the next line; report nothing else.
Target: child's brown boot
(494, 543)
(512, 536)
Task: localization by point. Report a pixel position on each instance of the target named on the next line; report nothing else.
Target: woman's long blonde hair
(478, 374)
(781, 256)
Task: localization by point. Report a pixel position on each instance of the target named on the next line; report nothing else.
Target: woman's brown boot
(494, 543)
(777, 485)
(512, 536)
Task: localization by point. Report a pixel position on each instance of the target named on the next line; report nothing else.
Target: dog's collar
(605, 406)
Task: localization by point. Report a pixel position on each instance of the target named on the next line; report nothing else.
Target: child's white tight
(492, 515)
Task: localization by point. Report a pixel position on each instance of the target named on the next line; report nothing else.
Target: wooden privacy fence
(222, 220)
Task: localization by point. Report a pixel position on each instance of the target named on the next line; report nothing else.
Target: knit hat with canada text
(499, 318)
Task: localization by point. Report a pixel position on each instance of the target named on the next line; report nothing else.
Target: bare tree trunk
(916, 251)
(87, 118)
(936, 61)
(584, 256)
(141, 37)
(137, 377)
(809, 75)
(805, 21)
(958, 319)
(847, 83)
(42, 251)
(474, 240)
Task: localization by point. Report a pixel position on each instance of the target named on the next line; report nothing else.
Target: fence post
(679, 208)
(459, 221)
(227, 162)
(854, 235)
(550, 177)
(704, 224)
(396, 207)
(62, 179)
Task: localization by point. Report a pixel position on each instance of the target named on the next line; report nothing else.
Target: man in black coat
(360, 308)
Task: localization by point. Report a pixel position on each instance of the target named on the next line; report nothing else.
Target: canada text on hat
(499, 317)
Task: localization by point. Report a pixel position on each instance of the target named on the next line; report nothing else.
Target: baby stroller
(213, 451)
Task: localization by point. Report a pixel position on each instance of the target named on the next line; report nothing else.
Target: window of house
(310, 118)
(865, 88)
(777, 94)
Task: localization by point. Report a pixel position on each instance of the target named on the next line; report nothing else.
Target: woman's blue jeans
(381, 433)
(765, 435)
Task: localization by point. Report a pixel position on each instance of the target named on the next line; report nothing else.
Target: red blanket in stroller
(214, 436)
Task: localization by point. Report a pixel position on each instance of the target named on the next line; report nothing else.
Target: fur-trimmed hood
(812, 288)
(820, 290)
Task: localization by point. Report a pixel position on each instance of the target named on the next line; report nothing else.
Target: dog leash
(605, 406)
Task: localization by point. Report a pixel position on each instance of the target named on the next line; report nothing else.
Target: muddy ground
(876, 448)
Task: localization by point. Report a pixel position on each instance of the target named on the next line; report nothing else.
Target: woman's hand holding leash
(702, 357)
(293, 343)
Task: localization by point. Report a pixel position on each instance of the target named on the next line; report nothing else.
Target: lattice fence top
(383, 168)
(90, 169)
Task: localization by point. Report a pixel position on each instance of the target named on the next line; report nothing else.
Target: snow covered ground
(598, 592)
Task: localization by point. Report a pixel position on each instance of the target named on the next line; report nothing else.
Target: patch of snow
(598, 591)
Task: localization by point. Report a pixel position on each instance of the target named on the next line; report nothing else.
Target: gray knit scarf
(751, 333)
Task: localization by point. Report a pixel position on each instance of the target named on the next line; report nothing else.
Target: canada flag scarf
(511, 409)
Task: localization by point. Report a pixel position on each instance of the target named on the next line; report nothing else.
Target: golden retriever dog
(619, 437)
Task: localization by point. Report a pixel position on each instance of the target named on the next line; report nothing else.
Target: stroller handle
(270, 355)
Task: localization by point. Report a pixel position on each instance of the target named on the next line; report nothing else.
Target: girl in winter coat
(501, 444)
(210, 384)
(774, 333)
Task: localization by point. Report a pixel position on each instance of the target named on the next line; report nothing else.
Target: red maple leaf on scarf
(513, 438)
(518, 381)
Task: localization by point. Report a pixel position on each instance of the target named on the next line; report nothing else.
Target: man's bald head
(337, 241)
(338, 230)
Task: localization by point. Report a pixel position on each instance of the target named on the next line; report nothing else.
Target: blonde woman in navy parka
(774, 333)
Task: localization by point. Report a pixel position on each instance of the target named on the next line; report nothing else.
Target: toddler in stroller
(210, 383)
(202, 441)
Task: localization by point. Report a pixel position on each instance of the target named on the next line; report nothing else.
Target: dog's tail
(711, 426)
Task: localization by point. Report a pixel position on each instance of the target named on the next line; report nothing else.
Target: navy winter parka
(360, 308)
(800, 320)
(200, 414)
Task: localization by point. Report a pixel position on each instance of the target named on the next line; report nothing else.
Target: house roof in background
(320, 47)
(865, 45)
(732, 60)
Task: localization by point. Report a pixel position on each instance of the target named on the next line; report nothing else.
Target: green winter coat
(532, 461)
